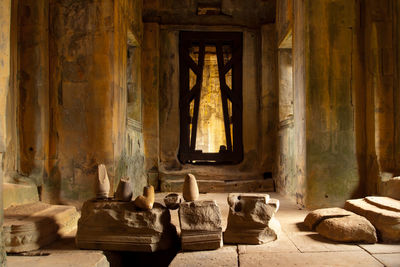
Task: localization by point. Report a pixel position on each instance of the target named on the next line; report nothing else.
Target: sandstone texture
(391, 188)
(190, 188)
(112, 225)
(201, 226)
(376, 210)
(317, 216)
(251, 219)
(32, 226)
(351, 228)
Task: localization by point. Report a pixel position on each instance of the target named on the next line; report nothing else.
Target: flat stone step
(19, 194)
(385, 220)
(384, 202)
(31, 226)
(69, 258)
(220, 186)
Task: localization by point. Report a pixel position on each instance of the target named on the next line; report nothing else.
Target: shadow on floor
(138, 259)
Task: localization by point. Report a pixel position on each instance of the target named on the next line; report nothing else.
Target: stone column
(332, 167)
(150, 85)
(269, 96)
(33, 73)
(379, 20)
(84, 84)
(5, 18)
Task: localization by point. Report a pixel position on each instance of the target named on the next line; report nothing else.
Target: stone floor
(295, 247)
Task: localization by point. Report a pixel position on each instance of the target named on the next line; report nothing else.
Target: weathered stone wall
(346, 85)
(381, 36)
(332, 165)
(33, 88)
(5, 20)
(249, 13)
(150, 83)
(268, 99)
(88, 94)
(128, 149)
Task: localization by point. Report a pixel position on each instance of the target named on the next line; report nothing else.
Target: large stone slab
(316, 259)
(201, 227)
(112, 225)
(32, 226)
(317, 216)
(352, 228)
(384, 202)
(386, 221)
(251, 219)
(224, 257)
(65, 258)
(341, 225)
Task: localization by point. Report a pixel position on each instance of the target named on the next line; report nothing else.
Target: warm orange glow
(210, 126)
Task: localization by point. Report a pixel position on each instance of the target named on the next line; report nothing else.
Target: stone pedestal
(112, 225)
(201, 227)
(32, 226)
(251, 219)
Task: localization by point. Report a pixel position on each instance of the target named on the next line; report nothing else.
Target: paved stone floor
(296, 246)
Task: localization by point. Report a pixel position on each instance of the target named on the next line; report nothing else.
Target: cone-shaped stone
(102, 183)
(190, 188)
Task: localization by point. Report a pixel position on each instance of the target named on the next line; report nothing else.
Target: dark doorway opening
(210, 102)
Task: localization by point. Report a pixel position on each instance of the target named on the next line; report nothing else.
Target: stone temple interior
(297, 99)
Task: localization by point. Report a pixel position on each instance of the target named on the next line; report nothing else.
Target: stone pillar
(381, 48)
(269, 96)
(33, 73)
(5, 19)
(150, 83)
(332, 167)
(299, 105)
(83, 80)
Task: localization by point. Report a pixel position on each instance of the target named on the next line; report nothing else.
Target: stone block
(315, 217)
(385, 220)
(251, 219)
(391, 188)
(201, 226)
(351, 228)
(112, 225)
(32, 226)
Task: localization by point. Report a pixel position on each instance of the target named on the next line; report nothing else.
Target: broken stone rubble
(363, 220)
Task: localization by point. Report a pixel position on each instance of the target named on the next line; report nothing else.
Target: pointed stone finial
(190, 188)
